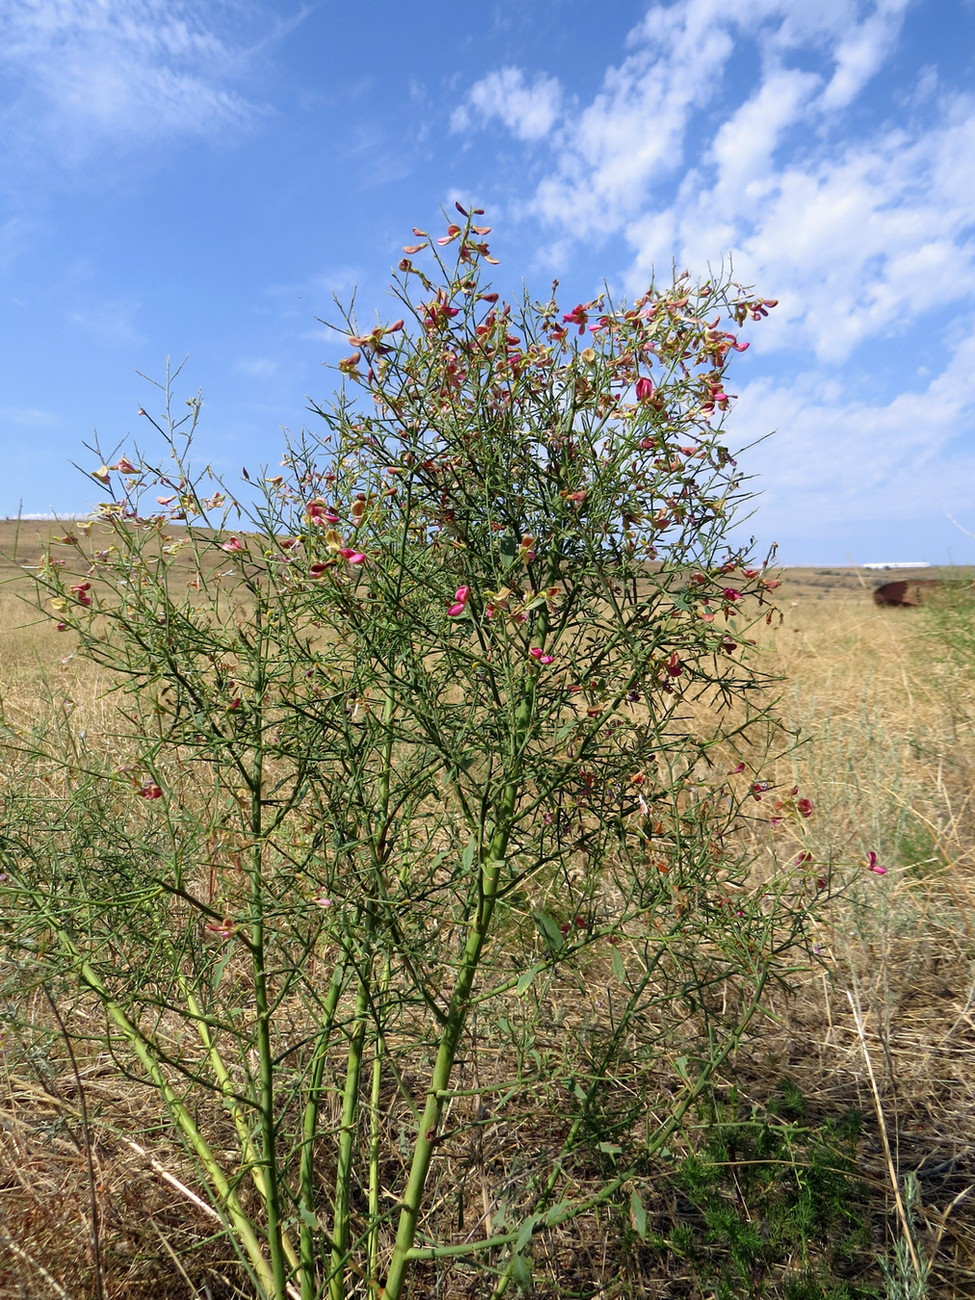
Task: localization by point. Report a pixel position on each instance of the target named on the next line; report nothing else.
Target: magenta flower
(874, 866)
(149, 791)
(461, 597)
(578, 316)
(644, 389)
(538, 653)
(232, 544)
(225, 928)
(350, 556)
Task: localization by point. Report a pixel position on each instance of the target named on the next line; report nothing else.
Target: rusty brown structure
(907, 592)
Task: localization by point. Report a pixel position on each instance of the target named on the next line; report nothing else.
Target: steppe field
(871, 1050)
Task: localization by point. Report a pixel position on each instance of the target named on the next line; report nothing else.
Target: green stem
(309, 1128)
(239, 1223)
(249, 1152)
(459, 1007)
(349, 1125)
(375, 1152)
(265, 1056)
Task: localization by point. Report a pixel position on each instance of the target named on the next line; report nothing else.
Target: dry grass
(888, 762)
(887, 1024)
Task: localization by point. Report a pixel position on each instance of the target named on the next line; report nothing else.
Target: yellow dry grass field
(885, 1023)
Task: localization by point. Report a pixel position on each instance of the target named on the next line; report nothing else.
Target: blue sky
(198, 179)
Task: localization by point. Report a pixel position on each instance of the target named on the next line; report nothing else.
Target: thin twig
(891, 1170)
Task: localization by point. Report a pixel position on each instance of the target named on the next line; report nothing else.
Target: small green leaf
(309, 1218)
(548, 928)
(219, 968)
(467, 860)
(680, 1064)
(521, 1272)
(619, 970)
(509, 549)
(609, 1148)
(525, 979)
(525, 1233)
(638, 1215)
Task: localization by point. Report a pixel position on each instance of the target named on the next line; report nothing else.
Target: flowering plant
(460, 738)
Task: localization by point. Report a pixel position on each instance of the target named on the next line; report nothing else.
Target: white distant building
(898, 564)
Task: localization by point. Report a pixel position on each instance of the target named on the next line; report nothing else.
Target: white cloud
(734, 127)
(836, 458)
(112, 322)
(28, 417)
(132, 71)
(861, 52)
(257, 367)
(745, 143)
(528, 111)
(618, 149)
(857, 237)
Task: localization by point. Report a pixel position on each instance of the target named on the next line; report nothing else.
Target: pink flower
(578, 316)
(319, 513)
(232, 544)
(149, 791)
(125, 466)
(350, 556)
(644, 389)
(538, 653)
(874, 866)
(80, 593)
(526, 551)
(461, 597)
(804, 807)
(224, 928)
